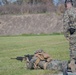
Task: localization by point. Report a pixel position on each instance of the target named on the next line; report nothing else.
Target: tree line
(29, 6)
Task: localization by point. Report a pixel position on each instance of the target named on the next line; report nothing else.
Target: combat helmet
(66, 1)
(38, 51)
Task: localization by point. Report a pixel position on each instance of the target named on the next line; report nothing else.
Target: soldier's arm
(65, 24)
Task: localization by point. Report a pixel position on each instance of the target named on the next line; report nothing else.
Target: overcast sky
(55, 1)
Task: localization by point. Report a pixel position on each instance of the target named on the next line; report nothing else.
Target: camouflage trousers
(72, 48)
(53, 65)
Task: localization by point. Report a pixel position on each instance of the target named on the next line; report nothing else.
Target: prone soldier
(43, 60)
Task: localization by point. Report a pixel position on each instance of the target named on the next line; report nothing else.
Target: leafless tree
(27, 6)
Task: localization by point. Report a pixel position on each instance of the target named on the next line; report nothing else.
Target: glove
(71, 30)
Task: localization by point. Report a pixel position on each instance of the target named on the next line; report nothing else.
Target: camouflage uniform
(43, 61)
(69, 20)
(53, 65)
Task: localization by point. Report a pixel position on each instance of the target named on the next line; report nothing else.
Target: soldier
(43, 60)
(39, 55)
(69, 20)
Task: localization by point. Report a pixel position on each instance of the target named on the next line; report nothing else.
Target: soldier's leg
(65, 71)
(73, 53)
(43, 64)
(55, 65)
(70, 50)
(73, 47)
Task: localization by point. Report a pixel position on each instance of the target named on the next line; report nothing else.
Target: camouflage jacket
(70, 14)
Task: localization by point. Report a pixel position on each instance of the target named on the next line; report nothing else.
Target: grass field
(13, 46)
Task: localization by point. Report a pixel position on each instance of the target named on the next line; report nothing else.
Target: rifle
(29, 57)
(19, 58)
